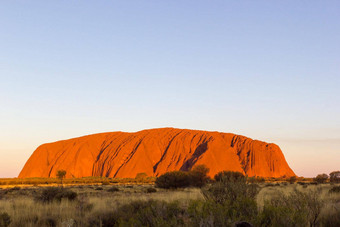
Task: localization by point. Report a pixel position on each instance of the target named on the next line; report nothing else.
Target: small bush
(47, 221)
(331, 218)
(98, 188)
(321, 178)
(113, 189)
(105, 183)
(83, 206)
(140, 213)
(16, 188)
(256, 180)
(198, 176)
(292, 179)
(175, 179)
(229, 176)
(335, 189)
(334, 177)
(230, 188)
(296, 209)
(51, 194)
(151, 190)
(103, 219)
(141, 176)
(5, 219)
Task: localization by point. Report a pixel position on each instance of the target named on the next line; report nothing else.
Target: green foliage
(105, 183)
(321, 178)
(332, 217)
(175, 179)
(141, 213)
(229, 176)
(51, 194)
(198, 175)
(113, 189)
(5, 219)
(256, 180)
(334, 177)
(151, 190)
(47, 221)
(141, 176)
(231, 198)
(296, 209)
(230, 187)
(210, 213)
(61, 174)
(335, 189)
(292, 179)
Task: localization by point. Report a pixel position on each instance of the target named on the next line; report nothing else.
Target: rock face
(154, 152)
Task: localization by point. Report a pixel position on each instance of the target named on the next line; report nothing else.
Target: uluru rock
(154, 152)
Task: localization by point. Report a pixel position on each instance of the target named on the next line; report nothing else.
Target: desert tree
(334, 176)
(61, 175)
(321, 178)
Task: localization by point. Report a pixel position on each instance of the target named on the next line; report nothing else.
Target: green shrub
(141, 213)
(175, 179)
(230, 189)
(198, 176)
(209, 213)
(141, 176)
(5, 219)
(113, 189)
(296, 209)
(321, 178)
(16, 188)
(292, 179)
(332, 217)
(83, 206)
(335, 189)
(334, 177)
(47, 221)
(229, 176)
(103, 219)
(256, 180)
(151, 190)
(51, 194)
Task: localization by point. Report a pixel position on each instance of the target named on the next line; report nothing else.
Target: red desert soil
(154, 152)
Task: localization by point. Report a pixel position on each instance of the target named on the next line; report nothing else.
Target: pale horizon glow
(268, 71)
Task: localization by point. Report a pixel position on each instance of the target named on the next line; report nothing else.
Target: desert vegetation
(230, 199)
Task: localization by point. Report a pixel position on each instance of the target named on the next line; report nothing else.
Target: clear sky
(269, 70)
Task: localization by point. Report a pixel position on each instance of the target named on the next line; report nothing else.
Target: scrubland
(275, 204)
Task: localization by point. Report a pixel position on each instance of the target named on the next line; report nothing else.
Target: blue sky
(265, 69)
